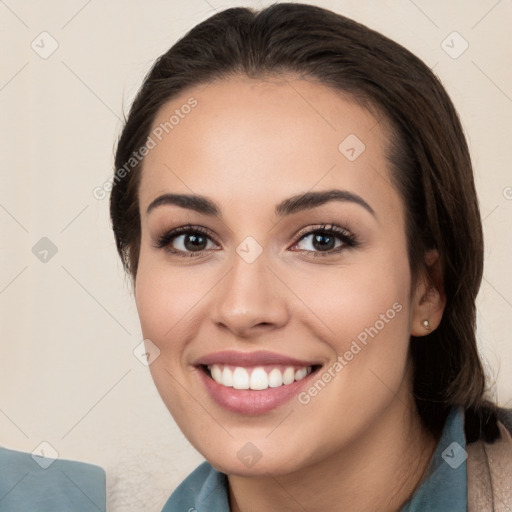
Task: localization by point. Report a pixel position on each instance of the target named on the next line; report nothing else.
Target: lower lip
(247, 401)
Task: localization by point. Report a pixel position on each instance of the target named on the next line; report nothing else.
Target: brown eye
(192, 242)
(326, 240)
(185, 241)
(320, 242)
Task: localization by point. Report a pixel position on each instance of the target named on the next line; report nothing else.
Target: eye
(325, 240)
(186, 241)
(191, 241)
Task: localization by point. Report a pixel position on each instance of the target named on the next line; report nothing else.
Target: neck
(389, 460)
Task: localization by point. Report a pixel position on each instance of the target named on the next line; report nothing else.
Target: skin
(248, 145)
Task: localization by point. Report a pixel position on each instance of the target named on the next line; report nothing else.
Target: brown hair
(428, 154)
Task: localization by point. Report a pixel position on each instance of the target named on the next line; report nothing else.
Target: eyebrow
(289, 206)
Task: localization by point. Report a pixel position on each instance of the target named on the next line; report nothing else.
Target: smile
(253, 383)
(256, 378)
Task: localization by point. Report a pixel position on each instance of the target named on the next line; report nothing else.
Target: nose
(250, 299)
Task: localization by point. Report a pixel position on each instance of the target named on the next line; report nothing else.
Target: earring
(426, 324)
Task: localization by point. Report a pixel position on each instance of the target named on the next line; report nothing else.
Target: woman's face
(316, 323)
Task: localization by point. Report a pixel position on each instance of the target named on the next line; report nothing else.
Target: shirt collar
(444, 488)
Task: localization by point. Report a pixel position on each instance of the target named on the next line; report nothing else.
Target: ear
(428, 299)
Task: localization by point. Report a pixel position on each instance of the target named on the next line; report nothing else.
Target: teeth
(300, 374)
(288, 376)
(216, 373)
(275, 378)
(227, 377)
(258, 379)
(240, 378)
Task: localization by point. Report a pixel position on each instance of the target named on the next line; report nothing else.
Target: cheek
(166, 301)
(348, 299)
(153, 298)
(362, 313)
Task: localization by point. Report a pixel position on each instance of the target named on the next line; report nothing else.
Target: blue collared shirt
(444, 488)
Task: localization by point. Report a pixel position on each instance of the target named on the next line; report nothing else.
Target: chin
(261, 468)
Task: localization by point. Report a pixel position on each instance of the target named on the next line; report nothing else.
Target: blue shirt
(31, 483)
(444, 488)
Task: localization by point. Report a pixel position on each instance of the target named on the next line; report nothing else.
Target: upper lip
(258, 358)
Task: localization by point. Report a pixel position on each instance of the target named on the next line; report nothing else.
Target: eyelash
(348, 239)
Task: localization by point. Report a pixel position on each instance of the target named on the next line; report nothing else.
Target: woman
(295, 203)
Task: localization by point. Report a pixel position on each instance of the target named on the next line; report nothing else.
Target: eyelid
(322, 228)
(347, 238)
(164, 240)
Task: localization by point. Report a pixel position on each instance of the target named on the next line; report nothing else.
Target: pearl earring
(426, 324)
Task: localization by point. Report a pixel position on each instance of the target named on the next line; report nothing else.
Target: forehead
(254, 139)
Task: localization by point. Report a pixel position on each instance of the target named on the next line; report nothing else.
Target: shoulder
(29, 481)
(489, 469)
(204, 489)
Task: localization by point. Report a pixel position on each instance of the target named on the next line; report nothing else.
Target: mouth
(256, 378)
(253, 384)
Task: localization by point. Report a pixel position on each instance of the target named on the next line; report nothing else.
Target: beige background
(68, 325)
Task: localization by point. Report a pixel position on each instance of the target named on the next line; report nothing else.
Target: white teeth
(256, 379)
(288, 375)
(300, 374)
(216, 373)
(275, 378)
(259, 379)
(227, 377)
(240, 378)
